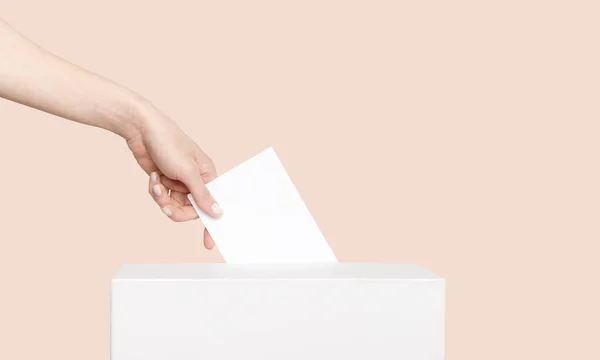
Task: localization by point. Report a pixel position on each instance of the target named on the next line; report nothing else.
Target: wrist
(138, 116)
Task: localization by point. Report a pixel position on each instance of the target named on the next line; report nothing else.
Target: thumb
(201, 195)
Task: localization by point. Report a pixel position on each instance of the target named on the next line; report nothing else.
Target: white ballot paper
(265, 220)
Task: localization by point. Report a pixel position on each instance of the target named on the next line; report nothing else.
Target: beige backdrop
(459, 136)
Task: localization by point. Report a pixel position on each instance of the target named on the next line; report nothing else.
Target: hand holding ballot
(177, 166)
(267, 220)
(32, 76)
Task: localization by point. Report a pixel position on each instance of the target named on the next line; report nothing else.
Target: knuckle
(207, 167)
(188, 170)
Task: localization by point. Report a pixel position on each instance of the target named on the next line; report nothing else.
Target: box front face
(278, 319)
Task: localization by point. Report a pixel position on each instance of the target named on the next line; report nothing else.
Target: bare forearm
(37, 78)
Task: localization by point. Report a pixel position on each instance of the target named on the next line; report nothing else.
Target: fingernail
(154, 176)
(167, 211)
(216, 209)
(156, 190)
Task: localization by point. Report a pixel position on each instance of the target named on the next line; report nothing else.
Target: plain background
(459, 135)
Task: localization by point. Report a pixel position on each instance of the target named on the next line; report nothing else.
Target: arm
(37, 78)
(34, 77)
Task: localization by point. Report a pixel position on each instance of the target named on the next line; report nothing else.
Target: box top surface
(274, 272)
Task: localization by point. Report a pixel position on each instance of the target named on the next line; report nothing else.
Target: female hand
(34, 77)
(176, 166)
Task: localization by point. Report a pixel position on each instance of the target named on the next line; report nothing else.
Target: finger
(174, 184)
(169, 206)
(193, 180)
(179, 213)
(208, 172)
(183, 201)
(208, 240)
(180, 197)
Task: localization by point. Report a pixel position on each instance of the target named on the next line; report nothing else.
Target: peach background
(459, 135)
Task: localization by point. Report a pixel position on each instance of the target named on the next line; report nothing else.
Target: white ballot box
(277, 312)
